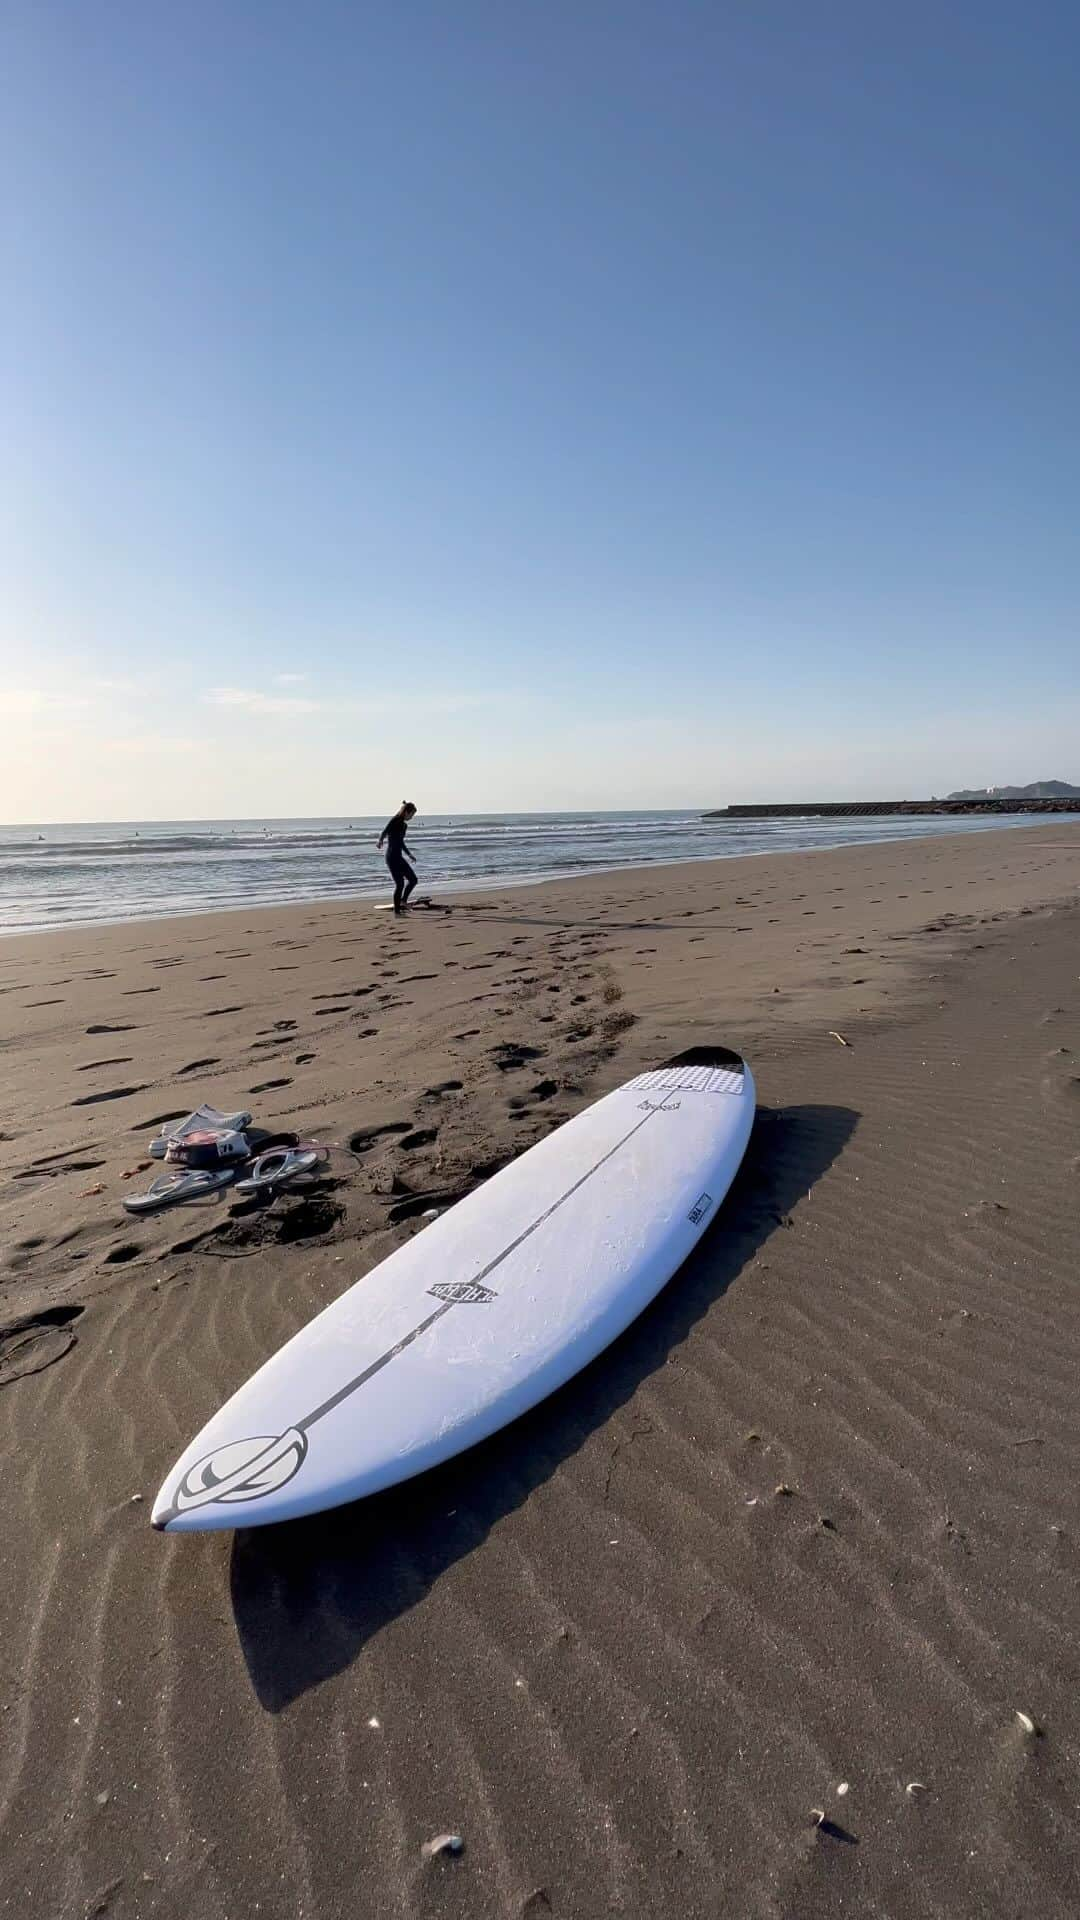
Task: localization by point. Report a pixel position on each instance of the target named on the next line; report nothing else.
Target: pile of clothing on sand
(211, 1150)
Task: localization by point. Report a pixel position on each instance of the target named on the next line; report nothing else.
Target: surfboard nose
(162, 1511)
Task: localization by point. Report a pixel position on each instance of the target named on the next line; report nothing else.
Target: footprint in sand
(268, 1086)
(44, 1003)
(486, 1169)
(29, 1345)
(509, 1055)
(114, 1093)
(302, 1059)
(365, 1138)
(543, 1090)
(119, 1060)
(196, 1066)
(129, 992)
(421, 1137)
(39, 1172)
(420, 1203)
(214, 1013)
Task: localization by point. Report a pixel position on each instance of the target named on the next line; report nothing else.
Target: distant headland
(1042, 796)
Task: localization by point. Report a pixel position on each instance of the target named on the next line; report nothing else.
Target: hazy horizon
(375, 816)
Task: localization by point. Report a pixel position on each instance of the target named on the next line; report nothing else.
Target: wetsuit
(404, 877)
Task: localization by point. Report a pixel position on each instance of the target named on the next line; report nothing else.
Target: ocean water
(65, 876)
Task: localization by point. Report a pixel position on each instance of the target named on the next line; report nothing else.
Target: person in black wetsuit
(398, 854)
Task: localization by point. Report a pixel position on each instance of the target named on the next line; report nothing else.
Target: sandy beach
(812, 1524)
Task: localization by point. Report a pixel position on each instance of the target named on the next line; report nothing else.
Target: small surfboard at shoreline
(422, 901)
(482, 1314)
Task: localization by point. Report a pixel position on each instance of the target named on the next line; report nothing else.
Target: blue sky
(579, 405)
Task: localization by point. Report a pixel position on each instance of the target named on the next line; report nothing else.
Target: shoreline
(459, 890)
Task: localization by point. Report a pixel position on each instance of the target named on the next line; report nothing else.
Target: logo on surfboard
(464, 1293)
(241, 1470)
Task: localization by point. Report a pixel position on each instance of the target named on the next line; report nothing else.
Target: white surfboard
(483, 1313)
(422, 902)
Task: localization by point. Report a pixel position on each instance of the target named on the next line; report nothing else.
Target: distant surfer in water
(398, 854)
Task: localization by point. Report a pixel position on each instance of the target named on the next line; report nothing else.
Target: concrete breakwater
(856, 809)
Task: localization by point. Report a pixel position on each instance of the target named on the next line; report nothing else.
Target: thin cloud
(137, 745)
(432, 704)
(250, 700)
(115, 686)
(21, 701)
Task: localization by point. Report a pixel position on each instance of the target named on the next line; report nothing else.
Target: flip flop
(170, 1189)
(278, 1166)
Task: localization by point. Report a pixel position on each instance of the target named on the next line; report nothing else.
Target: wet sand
(813, 1520)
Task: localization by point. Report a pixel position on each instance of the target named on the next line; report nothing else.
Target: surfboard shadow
(308, 1595)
